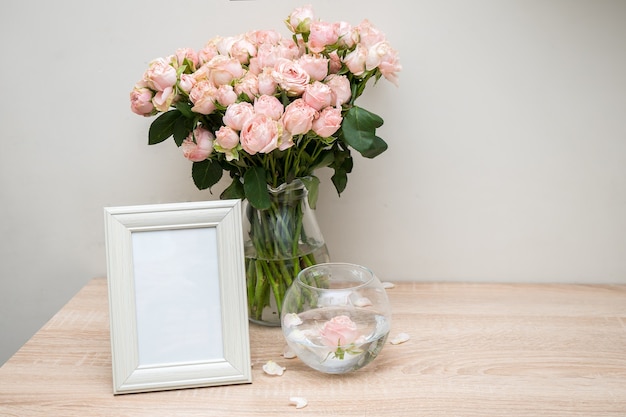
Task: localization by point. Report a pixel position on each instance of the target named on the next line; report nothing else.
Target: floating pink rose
(259, 134)
(339, 331)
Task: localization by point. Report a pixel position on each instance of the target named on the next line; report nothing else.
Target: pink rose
(259, 134)
(224, 44)
(348, 36)
(269, 106)
(286, 140)
(288, 49)
(339, 331)
(317, 95)
(242, 49)
(202, 95)
(355, 60)
(237, 115)
(340, 88)
(375, 54)
(271, 37)
(226, 95)
(267, 83)
(223, 70)
(390, 65)
(160, 75)
(368, 34)
(141, 101)
(162, 100)
(300, 19)
(290, 76)
(335, 64)
(201, 148)
(315, 65)
(189, 54)
(208, 52)
(298, 117)
(322, 34)
(328, 122)
(226, 137)
(248, 85)
(265, 57)
(186, 82)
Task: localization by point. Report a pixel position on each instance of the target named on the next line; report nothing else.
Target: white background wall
(507, 157)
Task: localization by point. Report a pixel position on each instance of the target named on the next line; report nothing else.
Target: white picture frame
(177, 296)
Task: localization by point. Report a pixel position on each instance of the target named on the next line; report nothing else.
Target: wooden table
(475, 350)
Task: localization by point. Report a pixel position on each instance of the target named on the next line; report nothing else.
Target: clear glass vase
(279, 242)
(336, 317)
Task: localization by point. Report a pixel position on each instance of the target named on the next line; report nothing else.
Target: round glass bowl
(336, 317)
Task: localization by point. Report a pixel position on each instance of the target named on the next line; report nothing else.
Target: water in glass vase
(324, 342)
(268, 280)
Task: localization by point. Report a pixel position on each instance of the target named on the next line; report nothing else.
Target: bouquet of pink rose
(269, 109)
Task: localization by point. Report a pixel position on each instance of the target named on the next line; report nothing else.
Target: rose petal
(399, 338)
(288, 353)
(292, 320)
(272, 368)
(299, 402)
(363, 302)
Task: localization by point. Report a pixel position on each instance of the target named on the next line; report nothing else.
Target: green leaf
(255, 188)
(182, 129)
(163, 127)
(342, 166)
(185, 109)
(206, 173)
(359, 131)
(340, 180)
(312, 184)
(324, 159)
(233, 191)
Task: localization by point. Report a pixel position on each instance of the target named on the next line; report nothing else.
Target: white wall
(507, 158)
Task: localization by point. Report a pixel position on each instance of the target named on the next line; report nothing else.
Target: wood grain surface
(532, 350)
